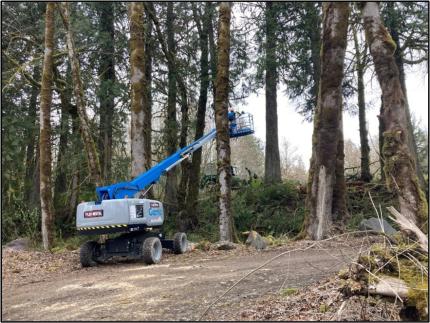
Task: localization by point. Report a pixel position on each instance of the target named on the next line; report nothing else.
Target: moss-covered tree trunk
(412, 142)
(364, 143)
(171, 126)
(139, 99)
(147, 111)
(221, 109)
(327, 122)
(89, 145)
(339, 209)
(400, 171)
(381, 130)
(45, 131)
(212, 48)
(190, 218)
(272, 162)
(106, 92)
(315, 40)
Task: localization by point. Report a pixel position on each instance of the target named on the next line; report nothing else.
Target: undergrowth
(274, 211)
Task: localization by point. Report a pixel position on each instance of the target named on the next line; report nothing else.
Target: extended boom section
(152, 176)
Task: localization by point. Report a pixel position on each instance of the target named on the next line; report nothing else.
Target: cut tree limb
(408, 226)
(389, 286)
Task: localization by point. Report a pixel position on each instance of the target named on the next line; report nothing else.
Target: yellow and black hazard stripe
(112, 226)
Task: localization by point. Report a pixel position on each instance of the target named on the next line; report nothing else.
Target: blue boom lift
(122, 208)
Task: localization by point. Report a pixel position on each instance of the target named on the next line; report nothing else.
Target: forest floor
(300, 285)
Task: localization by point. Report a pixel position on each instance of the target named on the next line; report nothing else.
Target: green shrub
(271, 210)
(20, 221)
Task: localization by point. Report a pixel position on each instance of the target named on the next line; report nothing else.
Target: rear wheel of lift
(180, 243)
(152, 250)
(89, 253)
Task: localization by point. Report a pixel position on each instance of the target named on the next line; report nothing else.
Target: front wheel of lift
(152, 250)
(89, 253)
(180, 243)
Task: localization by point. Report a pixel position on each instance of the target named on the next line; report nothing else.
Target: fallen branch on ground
(408, 226)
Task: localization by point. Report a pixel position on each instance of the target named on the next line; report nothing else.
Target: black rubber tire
(152, 250)
(88, 254)
(180, 243)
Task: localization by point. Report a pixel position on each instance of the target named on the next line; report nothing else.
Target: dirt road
(179, 288)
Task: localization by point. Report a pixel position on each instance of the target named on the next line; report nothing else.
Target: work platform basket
(242, 125)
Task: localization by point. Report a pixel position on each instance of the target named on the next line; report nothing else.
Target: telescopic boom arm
(243, 126)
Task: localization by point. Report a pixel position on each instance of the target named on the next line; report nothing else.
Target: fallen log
(389, 286)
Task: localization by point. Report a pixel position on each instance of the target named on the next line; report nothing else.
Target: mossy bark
(139, 99)
(381, 130)
(45, 131)
(190, 219)
(339, 209)
(147, 109)
(315, 39)
(89, 145)
(392, 25)
(221, 108)
(272, 163)
(322, 181)
(400, 171)
(171, 126)
(212, 48)
(106, 91)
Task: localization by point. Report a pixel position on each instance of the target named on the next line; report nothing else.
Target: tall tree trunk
(60, 185)
(400, 169)
(221, 121)
(139, 99)
(30, 160)
(315, 39)
(147, 111)
(339, 209)
(72, 199)
(171, 127)
(411, 138)
(212, 48)
(185, 165)
(364, 143)
(190, 219)
(34, 197)
(327, 122)
(107, 83)
(89, 145)
(272, 163)
(45, 131)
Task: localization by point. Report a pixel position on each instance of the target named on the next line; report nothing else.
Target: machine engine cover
(120, 213)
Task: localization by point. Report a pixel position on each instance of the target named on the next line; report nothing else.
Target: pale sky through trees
(298, 132)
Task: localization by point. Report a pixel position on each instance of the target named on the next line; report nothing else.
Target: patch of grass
(323, 308)
(204, 245)
(71, 243)
(285, 292)
(278, 240)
